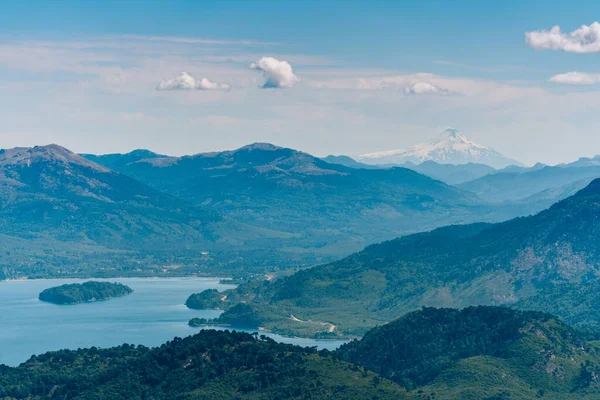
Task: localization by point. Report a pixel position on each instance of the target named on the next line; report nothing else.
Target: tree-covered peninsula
(84, 293)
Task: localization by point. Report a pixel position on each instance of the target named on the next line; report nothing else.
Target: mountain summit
(451, 147)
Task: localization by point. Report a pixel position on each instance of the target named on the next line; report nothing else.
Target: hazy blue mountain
(545, 198)
(521, 169)
(330, 209)
(519, 185)
(447, 173)
(452, 174)
(350, 162)
(116, 161)
(548, 261)
(585, 162)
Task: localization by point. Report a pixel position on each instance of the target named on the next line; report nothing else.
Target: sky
(325, 77)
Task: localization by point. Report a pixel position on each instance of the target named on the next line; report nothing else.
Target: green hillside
(481, 353)
(546, 262)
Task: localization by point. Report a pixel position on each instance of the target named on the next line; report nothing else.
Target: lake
(152, 315)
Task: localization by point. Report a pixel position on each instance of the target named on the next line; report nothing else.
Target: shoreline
(270, 331)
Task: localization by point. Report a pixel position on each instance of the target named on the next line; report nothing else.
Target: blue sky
(85, 75)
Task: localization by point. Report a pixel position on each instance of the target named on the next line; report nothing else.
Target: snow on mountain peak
(451, 147)
(452, 133)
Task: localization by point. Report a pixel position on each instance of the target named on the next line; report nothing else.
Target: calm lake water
(152, 315)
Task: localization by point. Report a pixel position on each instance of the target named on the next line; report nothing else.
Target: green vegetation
(239, 212)
(546, 262)
(481, 352)
(207, 300)
(84, 293)
(210, 365)
(307, 211)
(477, 353)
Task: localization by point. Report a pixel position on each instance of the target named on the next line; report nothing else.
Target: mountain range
(451, 147)
(257, 208)
(326, 210)
(548, 261)
(530, 189)
(447, 173)
(520, 184)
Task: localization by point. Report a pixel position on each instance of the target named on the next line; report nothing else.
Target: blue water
(152, 315)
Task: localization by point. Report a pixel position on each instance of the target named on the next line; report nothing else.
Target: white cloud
(426, 88)
(586, 39)
(576, 78)
(187, 82)
(278, 74)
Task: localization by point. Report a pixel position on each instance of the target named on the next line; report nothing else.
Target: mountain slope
(330, 210)
(210, 365)
(76, 208)
(533, 261)
(117, 161)
(351, 163)
(452, 147)
(452, 174)
(518, 186)
(447, 173)
(48, 188)
(481, 352)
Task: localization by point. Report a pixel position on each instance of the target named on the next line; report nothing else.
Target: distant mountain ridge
(330, 209)
(519, 184)
(451, 147)
(447, 173)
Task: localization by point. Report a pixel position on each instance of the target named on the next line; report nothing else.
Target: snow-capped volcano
(451, 147)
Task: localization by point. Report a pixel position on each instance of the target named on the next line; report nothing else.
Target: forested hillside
(546, 262)
(210, 365)
(482, 352)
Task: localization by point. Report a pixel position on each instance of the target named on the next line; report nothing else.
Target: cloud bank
(278, 74)
(586, 39)
(576, 78)
(187, 82)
